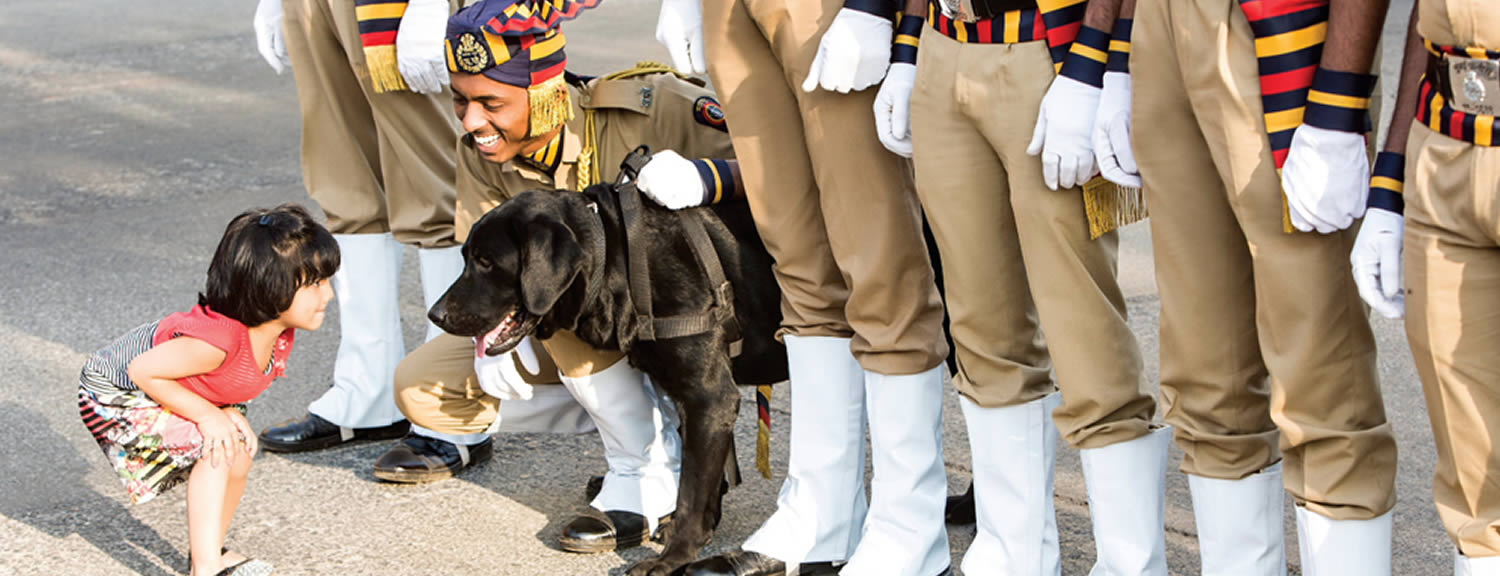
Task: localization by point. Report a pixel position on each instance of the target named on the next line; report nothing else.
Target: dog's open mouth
(505, 336)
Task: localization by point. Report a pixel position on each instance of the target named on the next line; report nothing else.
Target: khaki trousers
(836, 210)
(374, 162)
(436, 386)
(1452, 262)
(1012, 248)
(1263, 334)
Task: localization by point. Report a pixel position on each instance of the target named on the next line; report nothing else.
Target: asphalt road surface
(130, 132)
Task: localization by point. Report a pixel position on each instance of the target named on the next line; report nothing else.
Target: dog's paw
(655, 567)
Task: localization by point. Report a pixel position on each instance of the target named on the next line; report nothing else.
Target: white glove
(1112, 132)
(1064, 128)
(498, 376)
(893, 108)
(1326, 179)
(419, 46)
(853, 54)
(671, 180)
(270, 38)
(1376, 260)
(680, 29)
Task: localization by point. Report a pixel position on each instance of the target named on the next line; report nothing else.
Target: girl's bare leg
(207, 486)
(233, 492)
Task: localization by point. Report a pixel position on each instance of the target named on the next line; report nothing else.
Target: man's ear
(550, 261)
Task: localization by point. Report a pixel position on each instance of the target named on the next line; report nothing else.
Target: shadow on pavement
(99, 519)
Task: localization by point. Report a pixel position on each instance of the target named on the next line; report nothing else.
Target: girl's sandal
(249, 567)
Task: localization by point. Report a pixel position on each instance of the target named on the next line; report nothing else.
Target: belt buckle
(959, 10)
(1475, 85)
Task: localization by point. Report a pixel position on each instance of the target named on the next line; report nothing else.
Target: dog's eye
(483, 263)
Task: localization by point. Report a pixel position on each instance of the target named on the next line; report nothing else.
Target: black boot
(594, 531)
(420, 459)
(960, 509)
(313, 433)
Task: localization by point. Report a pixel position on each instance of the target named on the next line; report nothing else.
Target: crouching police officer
(530, 125)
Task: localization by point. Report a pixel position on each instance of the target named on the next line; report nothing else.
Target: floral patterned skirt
(150, 448)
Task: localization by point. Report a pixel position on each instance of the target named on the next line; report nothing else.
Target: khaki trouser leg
(1221, 256)
(834, 208)
(1452, 263)
(1072, 278)
(1009, 240)
(575, 358)
(374, 162)
(1002, 357)
(436, 387)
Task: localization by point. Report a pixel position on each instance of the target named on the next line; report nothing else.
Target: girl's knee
(241, 466)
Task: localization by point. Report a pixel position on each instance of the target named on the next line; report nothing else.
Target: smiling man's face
(497, 116)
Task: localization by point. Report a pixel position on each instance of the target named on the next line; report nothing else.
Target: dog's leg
(709, 405)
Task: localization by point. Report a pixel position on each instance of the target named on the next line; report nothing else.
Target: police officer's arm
(676, 182)
(1414, 63)
(1353, 32)
(735, 189)
(1326, 172)
(695, 163)
(1101, 14)
(1376, 257)
(1342, 83)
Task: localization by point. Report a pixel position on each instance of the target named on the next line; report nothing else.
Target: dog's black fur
(531, 256)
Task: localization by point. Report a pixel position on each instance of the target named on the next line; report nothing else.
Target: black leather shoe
(594, 531)
(960, 509)
(596, 483)
(420, 459)
(313, 433)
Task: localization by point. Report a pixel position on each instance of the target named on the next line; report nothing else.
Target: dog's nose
(439, 313)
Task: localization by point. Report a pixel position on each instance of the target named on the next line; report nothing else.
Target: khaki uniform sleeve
(688, 119)
(480, 189)
(656, 110)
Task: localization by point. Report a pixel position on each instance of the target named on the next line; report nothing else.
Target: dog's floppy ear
(551, 259)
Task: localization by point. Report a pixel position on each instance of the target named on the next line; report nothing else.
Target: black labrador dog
(546, 261)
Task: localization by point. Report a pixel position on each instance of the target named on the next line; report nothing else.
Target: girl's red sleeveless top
(239, 379)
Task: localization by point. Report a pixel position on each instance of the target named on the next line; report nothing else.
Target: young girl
(172, 393)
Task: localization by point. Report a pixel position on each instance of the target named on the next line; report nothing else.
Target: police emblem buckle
(1475, 85)
(959, 10)
(470, 55)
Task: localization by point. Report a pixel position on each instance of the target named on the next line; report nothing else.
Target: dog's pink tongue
(482, 343)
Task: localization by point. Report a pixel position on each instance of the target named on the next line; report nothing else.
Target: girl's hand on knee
(242, 427)
(219, 437)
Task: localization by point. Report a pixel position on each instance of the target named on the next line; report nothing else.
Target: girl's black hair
(265, 256)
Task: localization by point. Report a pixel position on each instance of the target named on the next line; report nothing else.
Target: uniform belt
(1461, 95)
(1009, 27)
(975, 10)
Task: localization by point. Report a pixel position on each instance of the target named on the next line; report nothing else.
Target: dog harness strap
(638, 263)
(599, 251)
(648, 327)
